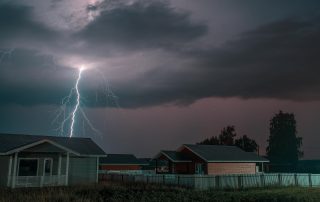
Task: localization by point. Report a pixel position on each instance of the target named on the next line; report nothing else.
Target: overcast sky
(160, 73)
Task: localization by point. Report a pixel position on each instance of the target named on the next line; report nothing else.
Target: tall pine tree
(284, 145)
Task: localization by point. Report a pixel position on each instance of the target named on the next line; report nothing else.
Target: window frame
(24, 158)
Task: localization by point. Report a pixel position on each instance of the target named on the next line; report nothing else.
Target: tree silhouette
(226, 137)
(214, 140)
(284, 145)
(247, 144)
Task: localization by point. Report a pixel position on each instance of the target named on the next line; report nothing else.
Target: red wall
(195, 159)
(120, 167)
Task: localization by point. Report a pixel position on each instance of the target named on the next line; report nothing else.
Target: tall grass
(142, 192)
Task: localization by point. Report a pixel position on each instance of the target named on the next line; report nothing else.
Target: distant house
(211, 160)
(150, 165)
(120, 162)
(36, 161)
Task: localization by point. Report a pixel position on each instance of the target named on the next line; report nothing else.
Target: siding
(182, 168)
(82, 170)
(231, 168)
(120, 167)
(4, 166)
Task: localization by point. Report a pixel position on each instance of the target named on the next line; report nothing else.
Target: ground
(141, 192)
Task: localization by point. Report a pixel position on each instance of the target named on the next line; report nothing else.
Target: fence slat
(222, 181)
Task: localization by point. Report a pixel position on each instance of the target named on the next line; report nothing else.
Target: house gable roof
(80, 146)
(175, 156)
(222, 153)
(120, 159)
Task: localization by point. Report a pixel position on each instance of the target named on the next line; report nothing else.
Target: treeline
(283, 144)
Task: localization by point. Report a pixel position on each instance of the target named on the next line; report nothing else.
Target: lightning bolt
(76, 87)
(66, 115)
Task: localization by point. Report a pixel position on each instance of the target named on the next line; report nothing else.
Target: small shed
(211, 160)
(36, 161)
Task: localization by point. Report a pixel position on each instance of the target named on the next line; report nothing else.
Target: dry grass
(142, 192)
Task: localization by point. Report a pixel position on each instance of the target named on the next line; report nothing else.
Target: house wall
(182, 168)
(169, 164)
(4, 167)
(231, 168)
(82, 170)
(178, 168)
(120, 167)
(195, 160)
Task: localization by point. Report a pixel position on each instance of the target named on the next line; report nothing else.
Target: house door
(47, 172)
(199, 168)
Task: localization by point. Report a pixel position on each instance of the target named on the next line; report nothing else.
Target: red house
(211, 160)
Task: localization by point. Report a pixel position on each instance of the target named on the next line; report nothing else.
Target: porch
(39, 165)
(39, 181)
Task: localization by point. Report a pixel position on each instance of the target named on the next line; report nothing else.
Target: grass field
(142, 192)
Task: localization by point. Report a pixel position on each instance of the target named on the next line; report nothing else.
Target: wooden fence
(222, 181)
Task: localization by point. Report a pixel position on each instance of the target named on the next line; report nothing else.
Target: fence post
(296, 179)
(280, 179)
(178, 180)
(239, 182)
(262, 180)
(163, 179)
(217, 179)
(122, 177)
(310, 180)
(41, 181)
(147, 179)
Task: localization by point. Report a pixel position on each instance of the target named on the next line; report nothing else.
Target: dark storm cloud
(140, 25)
(276, 60)
(17, 26)
(31, 78)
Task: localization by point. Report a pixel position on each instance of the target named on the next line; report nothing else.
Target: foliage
(151, 192)
(284, 145)
(247, 144)
(211, 141)
(227, 137)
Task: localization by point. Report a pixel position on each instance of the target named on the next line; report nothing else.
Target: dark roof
(124, 159)
(144, 161)
(83, 146)
(176, 156)
(221, 153)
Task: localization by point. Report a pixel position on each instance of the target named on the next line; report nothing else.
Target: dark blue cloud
(18, 26)
(141, 25)
(275, 60)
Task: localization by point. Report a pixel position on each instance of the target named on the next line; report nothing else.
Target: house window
(28, 167)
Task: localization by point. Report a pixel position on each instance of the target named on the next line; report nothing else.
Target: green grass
(142, 192)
